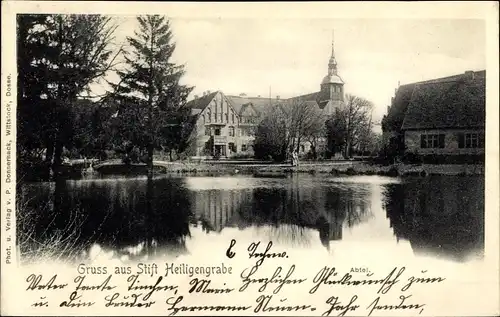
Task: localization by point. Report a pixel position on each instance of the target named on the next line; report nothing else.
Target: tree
(59, 57)
(149, 93)
(350, 124)
(271, 137)
(336, 129)
(285, 126)
(305, 123)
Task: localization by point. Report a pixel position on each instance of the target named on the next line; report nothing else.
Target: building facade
(444, 116)
(215, 130)
(225, 125)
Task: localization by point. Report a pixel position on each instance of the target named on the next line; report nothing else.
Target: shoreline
(333, 168)
(265, 169)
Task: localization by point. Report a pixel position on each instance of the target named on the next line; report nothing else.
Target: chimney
(195, 96)
(208, 92)
(258, 96)
(243, 94)
(469, 75)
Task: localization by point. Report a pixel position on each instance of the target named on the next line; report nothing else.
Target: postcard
(281, 158)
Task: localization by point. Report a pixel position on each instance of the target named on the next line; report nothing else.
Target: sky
(289, 56)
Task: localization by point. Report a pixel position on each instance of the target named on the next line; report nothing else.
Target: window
(227, 117)
(471, 140)
(221, 117)
(217, 131)
(249, 120)
(431, 141)
(243, 147)
(208, 131)
(232, 147)
(209, 115)
(231, 131)
(232, 117)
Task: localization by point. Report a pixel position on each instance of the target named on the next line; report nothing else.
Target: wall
(217, 106)
(412, 142)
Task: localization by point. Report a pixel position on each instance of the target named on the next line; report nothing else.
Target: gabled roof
(202, 102)
(247, 106)
(394, 119)
(259, 103)
(451, 102)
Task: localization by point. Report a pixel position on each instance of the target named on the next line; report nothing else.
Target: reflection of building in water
(324, 208)
(439, 215)
(346, 206)
(214, 209)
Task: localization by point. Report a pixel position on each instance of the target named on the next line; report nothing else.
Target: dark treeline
(63, 60)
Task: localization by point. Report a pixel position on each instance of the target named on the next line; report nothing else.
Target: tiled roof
(308, 97)
(202, 102)
(451, 102)
(259, 103)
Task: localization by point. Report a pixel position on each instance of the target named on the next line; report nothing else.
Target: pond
(436, 216)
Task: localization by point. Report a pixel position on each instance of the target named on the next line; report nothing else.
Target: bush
(412, 158)
(242, 155)
(393, 171)
(335, 172)
(350, 171)
(452, 159)
(134, 155)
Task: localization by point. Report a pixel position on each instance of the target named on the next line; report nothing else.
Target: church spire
(332, 64)
(333, 41)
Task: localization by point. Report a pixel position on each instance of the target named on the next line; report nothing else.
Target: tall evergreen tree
(59, 56)
(149, 93)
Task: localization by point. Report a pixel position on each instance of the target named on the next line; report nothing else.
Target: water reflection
(137, 218)
(439, 215)
(290, 208)
(133, 217)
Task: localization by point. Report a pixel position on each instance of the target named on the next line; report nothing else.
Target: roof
(308, 97)
(332, 79)
(396, 114)
(260, 103)
(450, 102)
(202, 102)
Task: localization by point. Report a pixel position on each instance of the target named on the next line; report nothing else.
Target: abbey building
(224, 125)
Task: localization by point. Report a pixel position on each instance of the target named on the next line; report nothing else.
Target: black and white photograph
(214, 164)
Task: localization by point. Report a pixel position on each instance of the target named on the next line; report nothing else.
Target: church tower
(332, 86)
